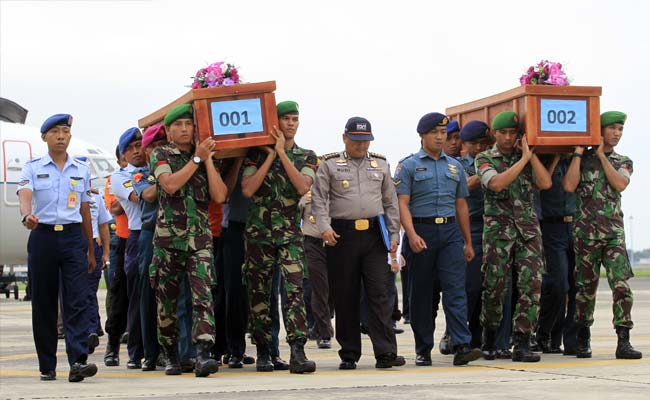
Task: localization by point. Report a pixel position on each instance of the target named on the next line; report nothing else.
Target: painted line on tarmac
(231, 372)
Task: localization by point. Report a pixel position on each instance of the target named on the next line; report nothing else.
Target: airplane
(20, 143)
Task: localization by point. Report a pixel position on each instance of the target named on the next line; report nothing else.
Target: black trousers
(360, 256)
(231, 300)
(322, 303)
(119, 300)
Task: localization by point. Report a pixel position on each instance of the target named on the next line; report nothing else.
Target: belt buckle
(58, 228)
(361, 224)
(440, 220)
(568, 218)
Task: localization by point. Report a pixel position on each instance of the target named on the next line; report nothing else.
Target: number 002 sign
(236, 116)
(563, 115)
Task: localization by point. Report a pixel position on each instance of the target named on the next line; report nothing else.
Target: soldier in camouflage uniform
(599, 175)
(511, 235)
(187, 180)
(275, 179)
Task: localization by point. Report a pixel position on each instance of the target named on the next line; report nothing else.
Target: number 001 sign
(563, 115)
(236, 116)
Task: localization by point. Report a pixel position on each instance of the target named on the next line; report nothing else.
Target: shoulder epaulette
(407, 157)
(377, 155)
(330, 155)
(34, 160)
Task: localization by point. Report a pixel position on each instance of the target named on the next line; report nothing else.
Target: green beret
(287, 107)
(178, 112)
(505, 119)
(612, 117)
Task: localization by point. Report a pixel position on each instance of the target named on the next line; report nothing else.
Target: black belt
(557, 220)
(476, 219)
(362, 224)
(434, 220)
(314, 240)
(58, 227)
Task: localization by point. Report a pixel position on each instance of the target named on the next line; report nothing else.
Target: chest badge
(373, 163)
(312, 219)
(345, 184)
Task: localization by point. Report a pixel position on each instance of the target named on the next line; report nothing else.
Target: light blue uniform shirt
(98, 212)
(434, 185)
(51, 188)
(475, 199)
(122, 187)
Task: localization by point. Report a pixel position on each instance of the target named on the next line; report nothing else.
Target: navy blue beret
(452, 127)
(55, 120)
(127, 137)
(430, 121)
(474, 130)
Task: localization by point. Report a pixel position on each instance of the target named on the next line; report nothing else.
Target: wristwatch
(196, 160)
(24, 218)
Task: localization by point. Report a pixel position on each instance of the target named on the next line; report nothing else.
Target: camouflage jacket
(512, 207)
(182, 222)
(274, 215)
(599, 213)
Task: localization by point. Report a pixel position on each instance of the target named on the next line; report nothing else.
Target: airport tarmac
(555, 377)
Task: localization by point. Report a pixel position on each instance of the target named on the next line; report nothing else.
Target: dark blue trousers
(444, 255)
(55, 257)
(560, 263)
(132, 271)
(93, 285)
(148, 311)
(474, 285)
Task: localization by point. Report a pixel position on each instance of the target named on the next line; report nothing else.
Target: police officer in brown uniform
(355, 189)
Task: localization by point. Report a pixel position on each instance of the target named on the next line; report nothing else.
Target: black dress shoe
(347, 364)
(235, 362)
(397, 330)
(569, 352)
(324, 343)
(79, 371)
(423, 360)
(133, 364)
(465, 354)
(149, 365)
(247, 360)
(554, 350)
(187, 366)
(504, 354)
(279, 364)
(93, 342)
(112, 355)
(48, 376)
(389, 360)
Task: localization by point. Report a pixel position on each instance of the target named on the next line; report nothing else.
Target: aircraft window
(103, 167)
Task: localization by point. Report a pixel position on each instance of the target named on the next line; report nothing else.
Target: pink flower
(196, 85)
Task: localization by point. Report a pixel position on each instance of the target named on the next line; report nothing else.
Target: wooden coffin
(554, 118)
(237, 117)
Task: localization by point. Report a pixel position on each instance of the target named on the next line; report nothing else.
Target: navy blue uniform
(433, 187)
(558, 209)
(57, 252)
(122, 186)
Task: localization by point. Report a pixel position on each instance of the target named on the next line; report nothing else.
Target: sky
(109, 63)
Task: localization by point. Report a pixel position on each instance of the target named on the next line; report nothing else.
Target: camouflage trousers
(170, 266)
(499, 258)
(262, 259)
(611, 253)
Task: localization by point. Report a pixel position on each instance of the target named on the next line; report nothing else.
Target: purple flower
(228, 82)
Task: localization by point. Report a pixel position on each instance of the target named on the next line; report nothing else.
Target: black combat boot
(172, 362)
(521, 352)
(263, 363)
(464, 354)
(624, 349)
(112, 355)
(204, 364)
(298, 363)
(583, 347)
(489, 347)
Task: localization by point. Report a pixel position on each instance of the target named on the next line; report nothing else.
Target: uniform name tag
(43, 176)
(420, 169)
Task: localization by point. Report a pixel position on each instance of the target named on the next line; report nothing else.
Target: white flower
(224, 68)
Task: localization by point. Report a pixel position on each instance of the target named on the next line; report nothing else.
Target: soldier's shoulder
(34, 160)
(330, 156)
(377, 155)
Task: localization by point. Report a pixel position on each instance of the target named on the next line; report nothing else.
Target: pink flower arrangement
(217, 74)
(545, 73)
